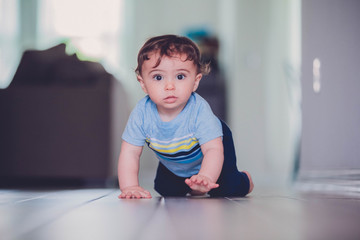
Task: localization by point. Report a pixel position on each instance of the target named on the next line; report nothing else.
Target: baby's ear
(142, 84)
(197, 81)
(138, 77)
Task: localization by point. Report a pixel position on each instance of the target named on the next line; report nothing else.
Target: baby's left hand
(200, 184)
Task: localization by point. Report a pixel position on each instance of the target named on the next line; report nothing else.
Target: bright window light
(92, 27)
(9, 38)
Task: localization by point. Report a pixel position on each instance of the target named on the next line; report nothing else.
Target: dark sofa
(61, 122)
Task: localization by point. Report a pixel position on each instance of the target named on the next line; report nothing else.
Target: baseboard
(344, 181)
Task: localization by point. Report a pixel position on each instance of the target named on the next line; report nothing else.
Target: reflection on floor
(98, 214)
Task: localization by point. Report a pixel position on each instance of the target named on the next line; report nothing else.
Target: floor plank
(99, 214)
(25, 211)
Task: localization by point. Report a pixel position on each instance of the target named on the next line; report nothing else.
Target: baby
(195, 149)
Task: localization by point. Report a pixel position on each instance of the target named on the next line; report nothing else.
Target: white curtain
(10, 52)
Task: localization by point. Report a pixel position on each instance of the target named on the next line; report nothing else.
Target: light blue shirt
(176, 143)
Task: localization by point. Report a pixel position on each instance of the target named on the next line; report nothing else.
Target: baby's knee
(236, 184)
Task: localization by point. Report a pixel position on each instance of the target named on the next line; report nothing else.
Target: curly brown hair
(170, 45)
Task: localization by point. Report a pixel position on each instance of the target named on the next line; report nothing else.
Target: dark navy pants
(231, 181)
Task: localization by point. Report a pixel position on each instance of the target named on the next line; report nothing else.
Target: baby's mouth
(170, 99)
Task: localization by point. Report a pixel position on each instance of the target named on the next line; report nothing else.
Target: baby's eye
(180, 77)
(158, 77)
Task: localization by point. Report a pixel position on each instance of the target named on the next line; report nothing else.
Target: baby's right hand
(134, 192)
(200, 184)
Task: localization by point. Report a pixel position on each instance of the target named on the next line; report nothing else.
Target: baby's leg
(168, 184)
(231, 181)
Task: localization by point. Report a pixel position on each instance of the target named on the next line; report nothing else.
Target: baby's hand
(200, 184)
(134, 192)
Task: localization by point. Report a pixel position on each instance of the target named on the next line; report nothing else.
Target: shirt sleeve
(134, 133)
(208, 126)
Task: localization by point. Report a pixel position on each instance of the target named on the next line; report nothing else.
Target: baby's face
(169, 84)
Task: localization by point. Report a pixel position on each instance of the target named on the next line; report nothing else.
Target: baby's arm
(210, 169)
(128, 172)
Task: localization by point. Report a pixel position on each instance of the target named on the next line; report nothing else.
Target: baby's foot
(250, 182)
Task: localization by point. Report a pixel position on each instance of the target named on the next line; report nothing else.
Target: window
(91, 29)
(9, 40)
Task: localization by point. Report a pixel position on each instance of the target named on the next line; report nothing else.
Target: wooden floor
(98, 214)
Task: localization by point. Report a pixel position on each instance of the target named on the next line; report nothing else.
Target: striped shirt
(175, 143)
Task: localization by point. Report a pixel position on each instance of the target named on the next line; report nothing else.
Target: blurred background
(285, 78)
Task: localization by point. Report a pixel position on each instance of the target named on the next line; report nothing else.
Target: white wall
(262, 114)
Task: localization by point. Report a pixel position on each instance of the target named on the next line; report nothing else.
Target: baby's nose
(170, 85)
